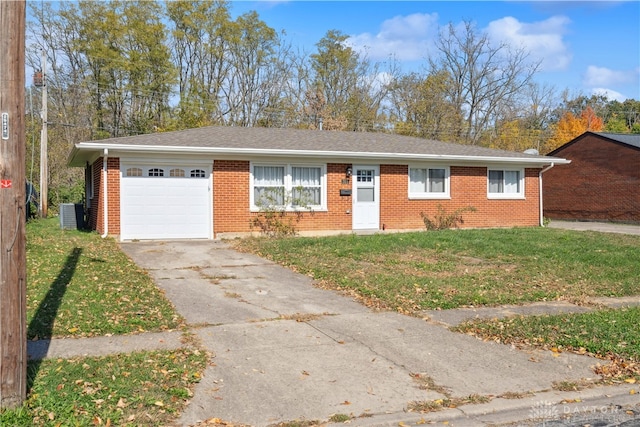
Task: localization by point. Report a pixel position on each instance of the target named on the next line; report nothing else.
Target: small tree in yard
(443, 220)
(281, 211)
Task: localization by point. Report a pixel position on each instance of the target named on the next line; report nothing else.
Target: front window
(268, 186)
(505, 183)
(288, 186)
(306, 183)
(428, 182)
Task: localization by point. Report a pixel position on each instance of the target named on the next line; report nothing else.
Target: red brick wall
(96, 213)
(468, 188)
(230, 196)
(113, 184)
(231, 213)
(602, 182)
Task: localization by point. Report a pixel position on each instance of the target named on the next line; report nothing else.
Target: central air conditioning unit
(71, 216)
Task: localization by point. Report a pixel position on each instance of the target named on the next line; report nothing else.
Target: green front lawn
(79, 284)
(137, 389)
(410, 272)
(607, 334)
(446, 269)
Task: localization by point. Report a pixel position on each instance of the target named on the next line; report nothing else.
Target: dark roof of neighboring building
(631, 139)
(246, 141)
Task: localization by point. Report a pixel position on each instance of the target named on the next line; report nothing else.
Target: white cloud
(601, 79)
(543, 39)
(407, 38)
(602, 76)
(611, 95)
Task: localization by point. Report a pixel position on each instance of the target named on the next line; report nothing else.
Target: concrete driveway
(285, 350)
(603, 227)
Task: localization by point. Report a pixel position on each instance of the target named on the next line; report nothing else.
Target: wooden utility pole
(44, 136)
(13, 335)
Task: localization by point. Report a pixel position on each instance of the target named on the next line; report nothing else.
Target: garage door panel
(165, 207)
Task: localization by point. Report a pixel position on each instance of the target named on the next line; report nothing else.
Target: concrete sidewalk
(286, 350)
(604, 227)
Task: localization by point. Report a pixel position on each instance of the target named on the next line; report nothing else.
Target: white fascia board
(250, 152)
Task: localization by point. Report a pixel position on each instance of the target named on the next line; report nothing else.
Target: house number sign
(5, 126)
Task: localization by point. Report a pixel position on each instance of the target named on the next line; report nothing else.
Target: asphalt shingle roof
(245, 138)
(632, 139)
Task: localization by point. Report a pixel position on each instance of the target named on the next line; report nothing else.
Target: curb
(606, 403)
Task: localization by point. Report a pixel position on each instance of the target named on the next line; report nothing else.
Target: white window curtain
(268, 185)
(511, 182)
(417, 180)
(504, 182)
(436, 180)
(427, 180)
(306, 185)
(496, 183)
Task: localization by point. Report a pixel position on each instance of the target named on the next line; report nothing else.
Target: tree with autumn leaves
(570, 126)
(119, 68)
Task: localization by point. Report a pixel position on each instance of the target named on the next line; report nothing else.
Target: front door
(366, 197)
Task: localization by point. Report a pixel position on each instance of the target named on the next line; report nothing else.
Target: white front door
(366, 197)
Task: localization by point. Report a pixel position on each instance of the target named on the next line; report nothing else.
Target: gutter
(105, 203)
(540, 191)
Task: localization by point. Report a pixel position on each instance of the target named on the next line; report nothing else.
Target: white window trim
(427, 195)
(507, 196)
(288, 185)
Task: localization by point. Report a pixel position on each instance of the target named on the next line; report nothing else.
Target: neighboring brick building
(601, 183)
(212, 182)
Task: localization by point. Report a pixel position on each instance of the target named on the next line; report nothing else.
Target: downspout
(105, 203)
(540, 192)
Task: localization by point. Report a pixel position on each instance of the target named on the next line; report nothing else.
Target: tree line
(120, 68)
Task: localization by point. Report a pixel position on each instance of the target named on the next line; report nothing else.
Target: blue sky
(585, 46)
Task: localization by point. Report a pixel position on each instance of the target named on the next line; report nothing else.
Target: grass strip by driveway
(608, 334)
(446, 269)
(79, 284)
(144, 388)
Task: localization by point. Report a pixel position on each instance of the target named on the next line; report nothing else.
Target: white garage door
(165, 202)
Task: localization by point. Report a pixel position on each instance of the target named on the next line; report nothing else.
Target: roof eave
(76, 159)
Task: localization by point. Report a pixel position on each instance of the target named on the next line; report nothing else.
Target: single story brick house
(211, 182)
(601, 183)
